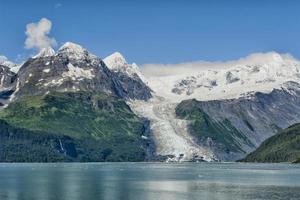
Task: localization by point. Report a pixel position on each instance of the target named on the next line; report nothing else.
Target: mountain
(221, 111)
(282, 147)
(12, 66)
(226, 80)
(45, 52)
(208, 112)
(117, 63)
(73, 68)
(5, 62)
(242, 123)
(72, 94)
(129, 76)
(7, 79)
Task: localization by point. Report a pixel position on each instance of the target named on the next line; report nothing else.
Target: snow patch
(77, 72)
(45, 52)
(2, 80)
(46, 70)
(74, 51)
(54, 82)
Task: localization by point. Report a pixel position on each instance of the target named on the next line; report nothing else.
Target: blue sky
(158, 31)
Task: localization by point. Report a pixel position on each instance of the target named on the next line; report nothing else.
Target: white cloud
(193, 67)
(37, 35)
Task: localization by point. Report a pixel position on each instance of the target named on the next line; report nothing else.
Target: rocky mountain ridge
(227, 80)
(73, 68)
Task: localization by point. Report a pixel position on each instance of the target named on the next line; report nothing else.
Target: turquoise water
(143, 181)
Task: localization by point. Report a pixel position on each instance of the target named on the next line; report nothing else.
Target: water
(143, 181)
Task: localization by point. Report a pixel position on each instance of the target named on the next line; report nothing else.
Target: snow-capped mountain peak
(5, 62)
(45, 52)
(70, 46)
(115, 61)
(74, 51)
(12, 66)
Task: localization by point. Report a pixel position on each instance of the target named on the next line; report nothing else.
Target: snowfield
(227, 80)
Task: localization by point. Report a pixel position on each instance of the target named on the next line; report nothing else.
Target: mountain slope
(72, 93)
(78, 114)
(221, 137)
(248, 120)
(129, 76)
(282, 147)
(7, 78)
(81, 115)
(7, 84)
(22, 145)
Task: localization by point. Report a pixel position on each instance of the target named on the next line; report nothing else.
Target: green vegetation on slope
(100, 121)
(282, 147)
(203, 126)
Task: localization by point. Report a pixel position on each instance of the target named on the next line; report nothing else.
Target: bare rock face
(7, 84)
(7, 77)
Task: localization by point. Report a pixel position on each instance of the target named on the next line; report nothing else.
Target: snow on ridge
(70, 46)
(228, 80)
(77, 72)
(74, 51)
(117, 63)
(5, 62)
(45, 52)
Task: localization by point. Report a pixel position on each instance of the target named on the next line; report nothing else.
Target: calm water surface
(143, 181)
